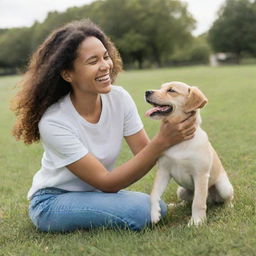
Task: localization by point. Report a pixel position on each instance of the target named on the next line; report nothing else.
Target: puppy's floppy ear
(196, 99)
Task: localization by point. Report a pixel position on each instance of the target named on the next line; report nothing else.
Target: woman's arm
(137, 141)
(93, 172)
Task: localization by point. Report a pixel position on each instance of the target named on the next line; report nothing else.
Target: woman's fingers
(174, 133)
(188, 127)
(188, 122)
(189, 130)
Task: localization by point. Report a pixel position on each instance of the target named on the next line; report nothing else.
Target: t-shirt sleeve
(62, 145)
(132, 120)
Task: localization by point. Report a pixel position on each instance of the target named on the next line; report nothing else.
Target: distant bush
(198, 52)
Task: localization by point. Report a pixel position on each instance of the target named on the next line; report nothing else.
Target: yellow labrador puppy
(193, 164)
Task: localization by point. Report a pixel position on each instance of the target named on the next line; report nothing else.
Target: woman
(68, 102)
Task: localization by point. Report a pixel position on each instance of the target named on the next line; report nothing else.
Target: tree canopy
(144, 31)
(235, 29)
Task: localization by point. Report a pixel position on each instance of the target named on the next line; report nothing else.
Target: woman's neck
(89, 106)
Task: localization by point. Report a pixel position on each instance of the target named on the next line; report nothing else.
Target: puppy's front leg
(160, 184)
(199, 202)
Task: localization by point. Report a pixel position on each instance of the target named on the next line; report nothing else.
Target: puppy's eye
(171, 90)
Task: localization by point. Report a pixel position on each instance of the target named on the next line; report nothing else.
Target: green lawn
(229, 119)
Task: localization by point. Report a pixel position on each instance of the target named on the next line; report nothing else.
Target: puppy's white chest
(186, 158)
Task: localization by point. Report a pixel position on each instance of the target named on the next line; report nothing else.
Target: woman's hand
(172, 133)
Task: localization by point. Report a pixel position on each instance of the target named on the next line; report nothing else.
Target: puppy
(193, 163)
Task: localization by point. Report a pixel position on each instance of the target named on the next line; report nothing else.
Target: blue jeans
(57, 210)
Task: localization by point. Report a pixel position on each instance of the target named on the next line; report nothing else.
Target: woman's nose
(104, 65)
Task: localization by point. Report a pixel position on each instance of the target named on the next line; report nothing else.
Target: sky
(19, 13)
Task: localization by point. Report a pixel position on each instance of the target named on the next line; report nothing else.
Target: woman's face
(92, 68)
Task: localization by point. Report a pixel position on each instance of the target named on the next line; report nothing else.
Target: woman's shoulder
(57, 114)
(118, 91)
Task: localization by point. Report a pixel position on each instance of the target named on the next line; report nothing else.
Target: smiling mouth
(158, 109)
(103, 78)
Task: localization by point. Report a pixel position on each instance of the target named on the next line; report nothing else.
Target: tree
(167, 25)
(147, 29)
(198, 52)
(15, 49)
(235, 29)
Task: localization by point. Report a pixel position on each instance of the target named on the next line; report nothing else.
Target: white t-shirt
(67, 137)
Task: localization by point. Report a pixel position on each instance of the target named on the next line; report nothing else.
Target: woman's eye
(93, 62)
(106, 57)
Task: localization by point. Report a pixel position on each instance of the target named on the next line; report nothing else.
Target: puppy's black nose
(148, 93)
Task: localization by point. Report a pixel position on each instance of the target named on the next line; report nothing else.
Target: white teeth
(104, 78)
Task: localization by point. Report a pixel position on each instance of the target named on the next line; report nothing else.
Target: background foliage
(235, 29)
(148, 33)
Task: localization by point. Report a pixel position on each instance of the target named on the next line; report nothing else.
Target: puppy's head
(174, 97)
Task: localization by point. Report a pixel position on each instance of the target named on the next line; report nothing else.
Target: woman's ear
(66, 76)
(196, 99)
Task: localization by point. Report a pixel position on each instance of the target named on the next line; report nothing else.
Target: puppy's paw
(175, 205)
(155, 215)
(229, 204)
(172, 205)
(196, 221)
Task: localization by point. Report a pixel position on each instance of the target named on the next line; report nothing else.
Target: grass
(229, 119)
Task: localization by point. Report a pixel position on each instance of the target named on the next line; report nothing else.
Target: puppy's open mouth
(158, 109)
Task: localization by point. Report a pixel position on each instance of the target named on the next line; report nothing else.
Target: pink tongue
(152, 110)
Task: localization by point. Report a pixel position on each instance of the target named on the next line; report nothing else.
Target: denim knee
(40, 204)
(139, 216)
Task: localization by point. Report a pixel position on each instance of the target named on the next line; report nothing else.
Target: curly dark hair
(42, 84)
